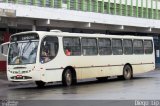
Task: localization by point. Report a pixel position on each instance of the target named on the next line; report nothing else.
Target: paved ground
(144, 86)
(3, 75)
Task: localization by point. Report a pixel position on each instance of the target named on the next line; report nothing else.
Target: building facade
(108, 14)
(134, 8)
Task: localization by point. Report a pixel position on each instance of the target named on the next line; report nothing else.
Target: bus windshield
(23, 52)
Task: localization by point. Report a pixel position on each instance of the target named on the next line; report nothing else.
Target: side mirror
(4, 48)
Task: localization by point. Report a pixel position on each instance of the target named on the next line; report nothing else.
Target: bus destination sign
(23, 37)
(28, 37)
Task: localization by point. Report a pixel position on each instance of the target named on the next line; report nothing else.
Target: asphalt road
(144, 86)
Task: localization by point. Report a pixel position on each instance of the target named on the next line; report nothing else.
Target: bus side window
(148, 47)
(127, 46)
(138, 46)
(104, 46)
(89, 46)
(117, 47)
(49, 49)
(72, 46)
(4, 48)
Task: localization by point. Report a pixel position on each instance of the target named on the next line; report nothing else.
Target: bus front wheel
(40, 84)
(67, 78)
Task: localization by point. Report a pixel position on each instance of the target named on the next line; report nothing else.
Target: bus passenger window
(49, 49)
(127, 46)
(148, 47)
(89, 46)
(104, 46)
(71, 46)
(117, 47)
(138, 47)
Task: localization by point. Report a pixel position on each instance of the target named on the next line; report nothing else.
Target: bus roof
(59, 33)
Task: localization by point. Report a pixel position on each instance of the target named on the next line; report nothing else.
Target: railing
(96, 6)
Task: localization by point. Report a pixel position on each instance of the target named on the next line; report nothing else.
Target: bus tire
(40, 84)
(67, 78)
(127, 72)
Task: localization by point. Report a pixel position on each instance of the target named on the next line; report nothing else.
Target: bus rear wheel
(127, 72)
(40, 84)
(67, 78)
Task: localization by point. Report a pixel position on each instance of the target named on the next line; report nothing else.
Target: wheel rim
(68, 78)
(127, 72)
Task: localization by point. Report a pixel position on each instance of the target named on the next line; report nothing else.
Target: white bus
(3, 54)
(60, 56)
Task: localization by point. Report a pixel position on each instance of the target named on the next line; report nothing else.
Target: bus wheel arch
(69, 76)
(127, 71)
